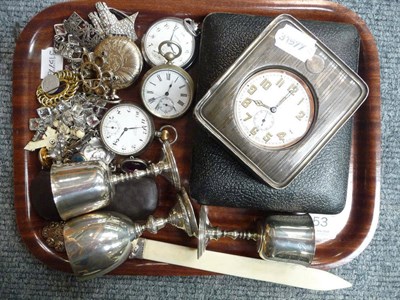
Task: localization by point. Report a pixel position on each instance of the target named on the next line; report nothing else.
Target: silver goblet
(83, 187)
(98, 242)
(279, 237)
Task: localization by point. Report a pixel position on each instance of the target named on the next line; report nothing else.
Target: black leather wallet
(218, 178)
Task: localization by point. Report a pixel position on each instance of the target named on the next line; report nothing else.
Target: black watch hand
(125, 130)
(173, 33)
(117, 140)
(133, 127)
(170, 86)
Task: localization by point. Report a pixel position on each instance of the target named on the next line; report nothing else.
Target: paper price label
(327, 227)
(295, 42)
(50, 62)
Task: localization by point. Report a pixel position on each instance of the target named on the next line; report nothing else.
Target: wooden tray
(357, 223)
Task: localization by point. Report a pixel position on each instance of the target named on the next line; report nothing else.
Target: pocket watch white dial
(167, 91)
(179, 31)
(126, 129)
(274, 108)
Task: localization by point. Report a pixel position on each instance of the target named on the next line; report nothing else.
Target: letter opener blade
(290, 274)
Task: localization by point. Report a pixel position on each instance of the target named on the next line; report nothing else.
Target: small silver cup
(287, 238)
(79, 188)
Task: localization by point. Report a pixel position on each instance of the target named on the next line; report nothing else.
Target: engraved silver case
(338, 90)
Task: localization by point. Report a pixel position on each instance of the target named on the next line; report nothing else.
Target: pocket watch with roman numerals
(281, 101)
(167, 90)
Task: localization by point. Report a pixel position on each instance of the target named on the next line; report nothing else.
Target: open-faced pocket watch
(281, 101)
(167, 90)
(126, 129)
(181, 32)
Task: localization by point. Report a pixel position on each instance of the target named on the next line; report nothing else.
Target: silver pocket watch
(167, 90)
(126, 129)
(181, 32)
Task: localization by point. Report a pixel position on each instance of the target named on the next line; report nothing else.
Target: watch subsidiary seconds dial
(274, 108)
(167, 92)
(180, 31)
(126, 129)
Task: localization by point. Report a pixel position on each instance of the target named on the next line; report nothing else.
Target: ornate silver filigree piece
(107, 23)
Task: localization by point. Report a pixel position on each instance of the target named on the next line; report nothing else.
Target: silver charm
(94, 149)
(106, 22)
(50, 84)
(87, 35)
(67, 46)
(64, 129)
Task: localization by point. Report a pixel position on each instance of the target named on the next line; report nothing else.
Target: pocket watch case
(217, 176)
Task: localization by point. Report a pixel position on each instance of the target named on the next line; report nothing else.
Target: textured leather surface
(41, 197)
(218, 178)
(136, 199)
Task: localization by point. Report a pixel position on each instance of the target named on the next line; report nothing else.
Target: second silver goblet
(98, 242)
(279, 237)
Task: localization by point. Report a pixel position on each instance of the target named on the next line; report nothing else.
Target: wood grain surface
(364, 185)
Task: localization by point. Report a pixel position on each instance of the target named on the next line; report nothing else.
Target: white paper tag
(327, 227)
(295, 42)
(50, 63)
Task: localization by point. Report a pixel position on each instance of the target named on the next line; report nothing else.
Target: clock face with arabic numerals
(126, 129)
(274, 108)
(281, 101)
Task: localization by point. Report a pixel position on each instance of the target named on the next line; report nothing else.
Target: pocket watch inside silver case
(281, 101)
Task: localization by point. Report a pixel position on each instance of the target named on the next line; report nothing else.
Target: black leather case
(218, 178)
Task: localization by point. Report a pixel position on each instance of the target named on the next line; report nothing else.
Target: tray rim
(332, 10)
